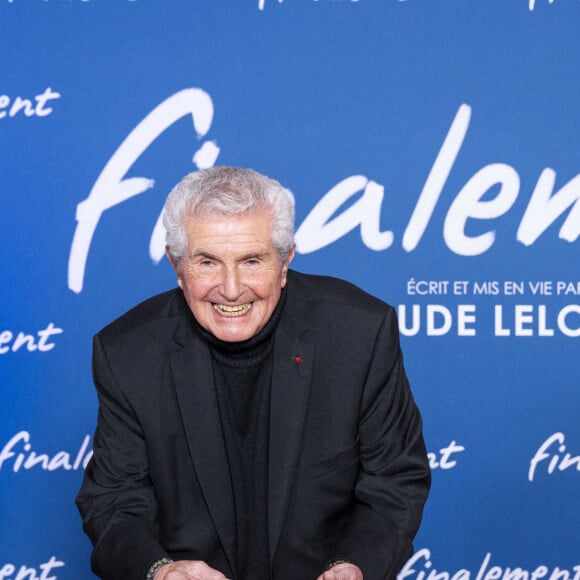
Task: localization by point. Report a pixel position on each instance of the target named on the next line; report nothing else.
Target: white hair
(228, 191)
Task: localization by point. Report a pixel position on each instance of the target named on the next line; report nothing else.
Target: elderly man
(256, 422)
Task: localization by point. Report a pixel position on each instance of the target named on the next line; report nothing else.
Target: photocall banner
(433, 149)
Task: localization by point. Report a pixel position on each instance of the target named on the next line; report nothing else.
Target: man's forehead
(243, 221)
(244, 233)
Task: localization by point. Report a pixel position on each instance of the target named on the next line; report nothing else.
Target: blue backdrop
(433, 148)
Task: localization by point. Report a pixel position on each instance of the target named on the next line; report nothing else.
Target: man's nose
(231, 287)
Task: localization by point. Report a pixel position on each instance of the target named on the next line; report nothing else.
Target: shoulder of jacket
(331, 290)
(161, 307)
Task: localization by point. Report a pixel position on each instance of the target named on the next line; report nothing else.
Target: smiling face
(231, 274)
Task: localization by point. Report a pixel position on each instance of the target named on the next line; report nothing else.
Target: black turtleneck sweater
(243, 376)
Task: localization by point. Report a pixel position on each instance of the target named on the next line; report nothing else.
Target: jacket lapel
(293, 359)
(194, 383)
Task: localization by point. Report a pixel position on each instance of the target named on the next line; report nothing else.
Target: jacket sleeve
(394, 480)
(116, 500)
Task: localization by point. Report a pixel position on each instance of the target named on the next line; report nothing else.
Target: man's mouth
(236, 310)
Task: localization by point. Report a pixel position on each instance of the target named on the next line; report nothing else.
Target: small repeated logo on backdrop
(446, 458)
(37, 106)
(66, 1)
(41, 341)
(19, 455)
(23, 572)
(262, 3)
(553, 456)
(420, 567)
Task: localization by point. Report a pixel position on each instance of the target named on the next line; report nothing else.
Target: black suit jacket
(348, 474)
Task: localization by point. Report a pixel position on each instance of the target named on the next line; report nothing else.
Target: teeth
(236, 310)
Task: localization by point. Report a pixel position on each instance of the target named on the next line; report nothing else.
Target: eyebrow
(252, 255)
(203, 254)
(210, 256)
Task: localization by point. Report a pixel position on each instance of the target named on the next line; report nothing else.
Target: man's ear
(174, 264)
(286, 265)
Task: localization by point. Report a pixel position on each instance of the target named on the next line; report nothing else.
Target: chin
(231, 335)
(233, 338)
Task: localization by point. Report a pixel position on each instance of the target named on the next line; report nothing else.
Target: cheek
(194, 291)
(268, 290)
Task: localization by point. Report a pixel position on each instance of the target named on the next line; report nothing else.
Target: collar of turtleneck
(247, 352)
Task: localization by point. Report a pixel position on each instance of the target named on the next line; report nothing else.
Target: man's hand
(188, 570)
(344, 571)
